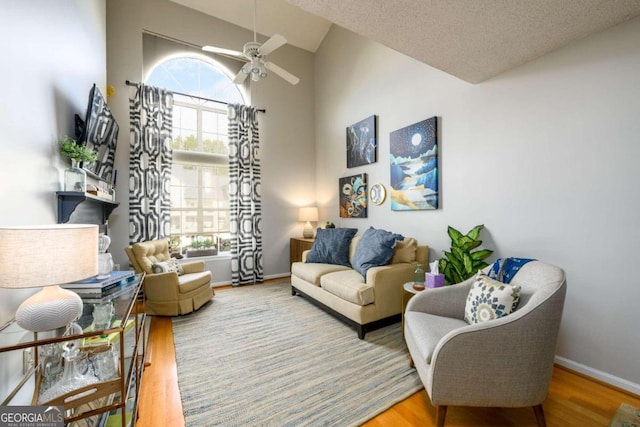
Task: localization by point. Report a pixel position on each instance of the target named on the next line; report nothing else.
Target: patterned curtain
(244, 196)
(150, 114)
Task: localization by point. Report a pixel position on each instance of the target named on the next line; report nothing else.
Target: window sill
(219, 257)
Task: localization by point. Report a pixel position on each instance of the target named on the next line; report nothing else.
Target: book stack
(111, 338)
(96, 289)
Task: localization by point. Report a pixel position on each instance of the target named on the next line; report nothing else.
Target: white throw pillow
(489, 299)
(167, 266)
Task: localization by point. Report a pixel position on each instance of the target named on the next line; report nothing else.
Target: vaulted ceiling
(473, 40)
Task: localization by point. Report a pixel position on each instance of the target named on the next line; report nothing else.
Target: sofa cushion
(332, 246)
(428, 329)
(191, 281)
(312, 272)
(489, 299)
(348, 285)
(405, 251)
(375, 248)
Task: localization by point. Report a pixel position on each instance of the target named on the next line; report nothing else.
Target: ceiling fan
(255, 56)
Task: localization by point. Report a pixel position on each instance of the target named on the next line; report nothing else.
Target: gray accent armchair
(507, 362)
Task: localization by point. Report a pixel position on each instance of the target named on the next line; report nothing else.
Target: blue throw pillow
(503, 270)
(332, 246)
(374, 248)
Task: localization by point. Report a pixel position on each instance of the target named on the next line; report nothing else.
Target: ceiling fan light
(255, 77)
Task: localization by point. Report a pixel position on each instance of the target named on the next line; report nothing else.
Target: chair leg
(540, 415)
(441, 413)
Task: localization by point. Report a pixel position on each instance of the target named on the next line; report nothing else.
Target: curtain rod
(130, 83)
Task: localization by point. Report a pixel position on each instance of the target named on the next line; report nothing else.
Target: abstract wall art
(362, 142)
(414, 166)
(353, 196)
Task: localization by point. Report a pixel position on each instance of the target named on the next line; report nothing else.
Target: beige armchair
(506, 362)
(168, 294)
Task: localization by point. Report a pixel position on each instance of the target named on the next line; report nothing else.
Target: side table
(408, 292)
(297, 245)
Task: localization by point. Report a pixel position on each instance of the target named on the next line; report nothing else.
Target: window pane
(199, 183)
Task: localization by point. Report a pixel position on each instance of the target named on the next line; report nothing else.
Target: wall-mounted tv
(99, 132)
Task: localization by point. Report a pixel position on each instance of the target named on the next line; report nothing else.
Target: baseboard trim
(606, 378)
(268, 278)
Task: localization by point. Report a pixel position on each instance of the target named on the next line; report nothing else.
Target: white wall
(545, 156)
(52, 53)
(286, 130)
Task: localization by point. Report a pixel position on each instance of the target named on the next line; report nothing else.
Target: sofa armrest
(193, 267)
(517, 351)
(387, 281)
(162, 286)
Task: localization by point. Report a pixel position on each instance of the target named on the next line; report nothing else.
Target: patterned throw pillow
(165, 267)
(489, 299)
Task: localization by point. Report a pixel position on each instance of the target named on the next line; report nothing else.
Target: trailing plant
(461, 263)
(70, 148)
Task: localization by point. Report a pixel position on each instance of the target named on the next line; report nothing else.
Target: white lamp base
(51, 308)
(307, 231)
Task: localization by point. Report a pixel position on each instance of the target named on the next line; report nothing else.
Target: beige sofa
(169, 294)
(343, 292)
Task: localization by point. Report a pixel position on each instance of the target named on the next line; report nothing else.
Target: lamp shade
(308, 214)
(42, 256)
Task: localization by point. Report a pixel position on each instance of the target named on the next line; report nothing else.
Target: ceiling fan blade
(272, 44)
(223, 51)
(282, 73)
(240, 77)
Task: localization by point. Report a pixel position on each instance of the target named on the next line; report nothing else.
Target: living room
(543, 155)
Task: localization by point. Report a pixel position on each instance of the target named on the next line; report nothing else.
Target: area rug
(626, 416)
(258, 356)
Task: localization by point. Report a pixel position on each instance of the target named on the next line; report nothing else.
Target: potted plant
(202, 247)
(75, 178)
(461, 263)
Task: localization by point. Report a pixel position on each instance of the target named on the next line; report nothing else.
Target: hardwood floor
(573, 401)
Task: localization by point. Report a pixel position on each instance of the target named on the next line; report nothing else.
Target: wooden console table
(297, 246)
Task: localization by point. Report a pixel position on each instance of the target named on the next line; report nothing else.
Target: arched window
(200, 168)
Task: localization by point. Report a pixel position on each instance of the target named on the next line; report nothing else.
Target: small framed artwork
(377, 194)
(353, 196)
(362, 145)
(414, 166)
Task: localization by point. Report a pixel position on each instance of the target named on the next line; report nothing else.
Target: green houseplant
(70, 148)
(75, 178)
(202, 247)
(461, 263)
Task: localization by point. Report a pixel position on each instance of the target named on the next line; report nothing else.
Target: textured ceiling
(301, 29)
(473, 40)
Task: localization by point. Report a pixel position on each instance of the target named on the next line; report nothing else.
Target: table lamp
(307, 215)
(46, 256)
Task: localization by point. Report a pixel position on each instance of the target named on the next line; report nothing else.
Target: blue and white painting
(361, 143)
(414, 166)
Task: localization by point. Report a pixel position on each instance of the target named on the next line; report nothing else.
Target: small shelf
(68, 201)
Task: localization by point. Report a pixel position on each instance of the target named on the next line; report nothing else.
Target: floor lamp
(46, 256)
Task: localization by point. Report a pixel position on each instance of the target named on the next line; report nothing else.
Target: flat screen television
(99, 132)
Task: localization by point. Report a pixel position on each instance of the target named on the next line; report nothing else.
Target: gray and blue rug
(258, 356)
